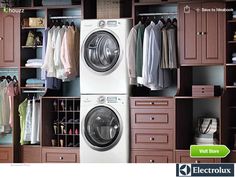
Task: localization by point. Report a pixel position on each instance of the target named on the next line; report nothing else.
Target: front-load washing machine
(104, 126)
(103, 65)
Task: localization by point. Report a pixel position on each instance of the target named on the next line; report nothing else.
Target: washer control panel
(109, 23)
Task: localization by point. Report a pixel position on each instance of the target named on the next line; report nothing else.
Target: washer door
(101, 51)
(102, 128)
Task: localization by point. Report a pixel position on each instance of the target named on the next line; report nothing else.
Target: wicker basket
(108, 9)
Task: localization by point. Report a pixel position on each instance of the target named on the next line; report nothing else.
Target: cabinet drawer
(152, 139)
(184, 157)
(152, 118)
(151, 156)
(60, 157)
(6, 155)
(57, 155)
(141, 102)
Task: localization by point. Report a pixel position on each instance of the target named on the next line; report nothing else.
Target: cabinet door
(213, 36)
(189, 34)
(6, 155)
(9, 39)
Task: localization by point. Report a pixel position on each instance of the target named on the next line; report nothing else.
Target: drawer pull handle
(152, 138)
(152, 118)
(151, 161)
(152, 103)
(1, 38)
(61, 158)
(197, 161)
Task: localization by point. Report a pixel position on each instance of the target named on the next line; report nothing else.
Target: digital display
(112, 23)
(111, 99)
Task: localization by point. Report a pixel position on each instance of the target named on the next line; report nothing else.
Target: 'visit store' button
(209, 151)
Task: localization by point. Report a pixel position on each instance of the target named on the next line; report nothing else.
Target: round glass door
(102, 128)
(101, 51)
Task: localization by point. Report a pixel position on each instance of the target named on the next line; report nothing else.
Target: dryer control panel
(109, 99)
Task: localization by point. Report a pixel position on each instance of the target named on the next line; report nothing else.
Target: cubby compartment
(61, 121)
(188, 111)
(200, 75)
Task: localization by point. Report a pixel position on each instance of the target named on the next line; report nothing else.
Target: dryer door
(101, 51)
(102, 128)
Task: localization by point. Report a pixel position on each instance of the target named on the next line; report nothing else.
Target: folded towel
(34, 60)
(39, 65)
(34, 81)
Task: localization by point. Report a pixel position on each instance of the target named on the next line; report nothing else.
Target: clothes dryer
(104, 129)
(103, 65)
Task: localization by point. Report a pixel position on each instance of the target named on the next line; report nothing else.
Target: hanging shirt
(60, 71)
(158, 78)
(139, 53)
(49, 51)
(77, 49)
(45, 38)
(130, 53)
(22, 113)
(165, 49)
(11, 92)
(4, 108)
(35, 121)
(145, 69)
(51, 70)
(68, 53)
(28, 122)
(172, 46)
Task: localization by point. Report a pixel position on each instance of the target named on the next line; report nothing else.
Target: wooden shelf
(25, 67)
(153, 3)
(231, 42)
(230, 64)
(32, 27)
(31, 47)
(231, 21)
(49, 7)
(31, 145)
(232, 107)
(66, 111)
(231, 87)
(233, 128)
(196, 97)
(6, 145)
(33, 88)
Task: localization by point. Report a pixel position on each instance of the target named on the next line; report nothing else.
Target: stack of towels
(234, 58)
(37, 63)
(34, 82)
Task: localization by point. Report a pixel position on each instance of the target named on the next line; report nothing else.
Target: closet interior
(164, 122)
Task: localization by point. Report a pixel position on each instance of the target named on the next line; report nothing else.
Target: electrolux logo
(205, 170)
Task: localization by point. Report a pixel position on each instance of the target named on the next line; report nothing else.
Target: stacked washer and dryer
(104, 112)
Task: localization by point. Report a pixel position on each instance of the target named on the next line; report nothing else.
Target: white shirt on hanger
(146, 46)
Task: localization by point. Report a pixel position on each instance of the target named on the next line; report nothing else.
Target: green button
(209, 151)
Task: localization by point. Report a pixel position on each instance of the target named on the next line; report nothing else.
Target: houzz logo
(205, 170)
(12, 10)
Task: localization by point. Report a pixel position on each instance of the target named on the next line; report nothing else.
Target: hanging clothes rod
(158, 14)
(66, 17)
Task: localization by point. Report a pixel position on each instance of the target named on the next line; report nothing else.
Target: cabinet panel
(9, 39)
(152, 118)
(190, 38)
(184, 157)
(30, 154)
(213, 37)
(144, 156)
(152, 139)
(6, 155)
(149, 103)
(60, 155)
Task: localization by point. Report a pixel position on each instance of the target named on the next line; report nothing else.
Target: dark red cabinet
(202, 33)
(9, 39)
